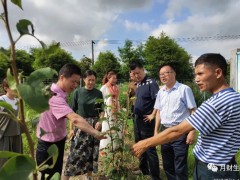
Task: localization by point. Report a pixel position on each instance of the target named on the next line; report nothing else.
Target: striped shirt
(218, 123)
(174, 104)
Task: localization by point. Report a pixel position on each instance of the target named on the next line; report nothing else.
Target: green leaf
(42, 132)
(11, 80)
(8, 154)
(99, 101)
(40, 75)
(115, 128)
(53, 151)
(22, 27)
(17, 2)
(56, 176)
(5, 105)
(43, 167)
(34, 92)
(43, 44)
(18, 167)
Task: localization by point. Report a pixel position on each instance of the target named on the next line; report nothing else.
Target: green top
(84, 102)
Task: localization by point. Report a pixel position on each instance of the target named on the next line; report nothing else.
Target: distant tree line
(152, 54)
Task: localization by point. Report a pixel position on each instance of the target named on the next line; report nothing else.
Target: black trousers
(42, 155)
(174, 157)
(149, 162)
(204, 171)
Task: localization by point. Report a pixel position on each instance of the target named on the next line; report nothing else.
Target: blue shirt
(174, 104)
(146, 94)
(218, 123)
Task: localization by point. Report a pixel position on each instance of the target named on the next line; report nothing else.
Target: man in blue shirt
(217, 120)
(146, 93)
(175, 102)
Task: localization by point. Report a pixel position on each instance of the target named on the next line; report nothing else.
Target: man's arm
(191, 135)
(151, 116)
(166, 136)
(82, 124)
(157, 122)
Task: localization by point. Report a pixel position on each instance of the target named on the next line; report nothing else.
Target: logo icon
(212, 167)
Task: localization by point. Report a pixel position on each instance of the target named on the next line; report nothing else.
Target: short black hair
(89, 73)
(213, 59)
(69, 69)
(136, 64)
(167, 64)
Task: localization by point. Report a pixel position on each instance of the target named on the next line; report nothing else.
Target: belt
(231, 162)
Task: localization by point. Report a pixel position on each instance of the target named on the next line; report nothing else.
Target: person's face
(138, 73)
(90, 82)
(113, 79)
(69, 84)
(167, 75)
(10, 92)
(132, 77)
(207, 77)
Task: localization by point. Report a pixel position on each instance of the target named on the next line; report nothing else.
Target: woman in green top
(83, 156)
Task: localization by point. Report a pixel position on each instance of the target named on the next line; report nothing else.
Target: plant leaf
(42, 132)
(53, 151)
(22, 27)
(56, 176)
(11, 80)
(8, 154)
(33, 90)
(43, 44)
(17, 2)
(6, 106)
(17, 167)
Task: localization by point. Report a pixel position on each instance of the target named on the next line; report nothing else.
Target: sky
(75, 23)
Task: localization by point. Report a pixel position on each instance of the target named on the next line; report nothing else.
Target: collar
(175, 86)
(143, 81)
(58, 90)
(229, 89)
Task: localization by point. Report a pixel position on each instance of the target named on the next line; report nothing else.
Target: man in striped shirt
(217, 120)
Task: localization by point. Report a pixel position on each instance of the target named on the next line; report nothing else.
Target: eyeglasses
(165, 73)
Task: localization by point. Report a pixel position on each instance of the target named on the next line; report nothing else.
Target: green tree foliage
(53, 56)
(162, 50)
(85, 64)
(24, 62)
(4, 64)
(106, 61)
(128, 53)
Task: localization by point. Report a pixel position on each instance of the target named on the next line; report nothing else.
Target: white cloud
(144, 27)
(205, 20)
(65, 21)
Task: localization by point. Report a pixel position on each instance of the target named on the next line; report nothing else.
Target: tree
(24, 62)
(106, 61)
(128, 53)
(85, 64)
(4, 64)
(53, 56)
(162, 50)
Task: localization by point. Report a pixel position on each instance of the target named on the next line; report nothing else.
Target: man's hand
(190, 137)
(100, 135)
(98, 126)
(139, 148)
(70, 134)
(149, 117)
